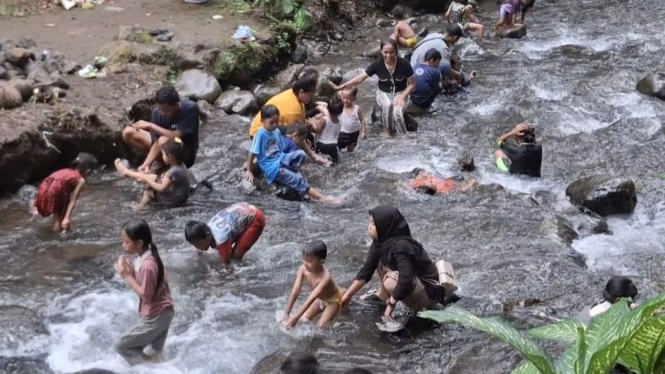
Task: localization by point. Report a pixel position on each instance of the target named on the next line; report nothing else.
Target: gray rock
(94, 371)
(126, 32)
(188, 60)
(26, 43)
(19, 56)
(270, 363)
(3, 72)
(10, 98)
(7, 44)
(52, 66)
(39, 75)
(603, 195)
(511, 32)
(285, 77)
(383, 23)
(652, 85)
(205, 109)
(332, 74)
(372, 50)
(11, 74)
(263, 93)
(300, 54)
(19, 325)
(24, 87)
(198, 85)
(237, 102)
(71, 67)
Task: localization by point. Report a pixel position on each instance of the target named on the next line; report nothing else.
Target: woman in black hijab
(407, 273)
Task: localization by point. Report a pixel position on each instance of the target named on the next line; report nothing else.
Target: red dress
(55, 191)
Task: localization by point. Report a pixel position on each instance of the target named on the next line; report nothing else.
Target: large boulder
(197, 84)
(18, 325)
(264, 93)
(25, 87)
(511, 32)
(652, 85)
(19, 56)
(3, 73)
(237, 102)
(270, 363)
(603, 195)
(10, 97)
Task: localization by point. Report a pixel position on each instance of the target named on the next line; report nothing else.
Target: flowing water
(573, 77)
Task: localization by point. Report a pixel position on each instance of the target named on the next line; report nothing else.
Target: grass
(10, 11)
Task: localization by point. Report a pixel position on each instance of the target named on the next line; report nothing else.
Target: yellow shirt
(290, 110)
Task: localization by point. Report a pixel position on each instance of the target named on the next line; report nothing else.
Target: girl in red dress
(59, 192)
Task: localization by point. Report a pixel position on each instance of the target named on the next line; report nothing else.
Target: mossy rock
(241, 64)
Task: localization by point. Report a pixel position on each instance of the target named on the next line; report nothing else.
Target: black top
(187, 122)
(391, 83)
(525, 158)
(397, 250)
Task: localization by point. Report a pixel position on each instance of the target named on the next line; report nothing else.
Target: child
(510, 8)
(617, 287)
(429, 184)
(353, 121)
(327, 141)
(326, 297)
(155, 301)
(403, 33)
(59, 192)
(232, 231)
(171, 188)
(461, 12)
(456, 64)
(276, 165)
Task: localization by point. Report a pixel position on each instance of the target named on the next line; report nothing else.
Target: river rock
(3, 72)
(19, 324)
(10, 97)
(237, 102)
(300, 54)
(71, 67)
(198, 85)
(285, 77)
(25, 87)
(332, 74)
(24, 365)
(587, 225)
(39, 75)
(94, 371)
(26, 43)
(652, 85)
(205, 109)
(372, 50)
(383, 23)
(270, 363)
(263, 93)
(511, 32)
(603, 195)
(19, 56)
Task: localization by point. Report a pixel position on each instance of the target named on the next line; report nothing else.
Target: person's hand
(66, 224)
(290, 323)
(124, 267)
(346, 299)
(519, 129)
(399, 102)
(388, 314)
(249, 176)
(334, 86)
(144, 168)
(143, 125)
(362, 136)
(323, 110)
(285, 317)
(321, 160)
(473, 74)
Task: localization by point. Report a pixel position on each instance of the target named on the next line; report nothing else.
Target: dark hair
(310, 72)
(358, 371)
(454, 29)
(196, 230)
(427, 190)
(304, 84)
(84, 162)
(432, 55)
(317, 249)
(416, 171)
(398, 12)
(299, 363)
(618, 287)
(138, 229)
(526, 7)
(388, 42)
(336, 106)
(455, 61)
(269, 111)
(298, 128)
(465, 2)
(529, 135)
(465, 162)
(175, 149)
(353, 90)
(167, 95)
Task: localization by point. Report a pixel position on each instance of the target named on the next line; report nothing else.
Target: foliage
(287, 12)
(634, 339)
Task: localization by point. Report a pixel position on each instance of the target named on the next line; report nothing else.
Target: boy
(429, 184)
(326, 297)
(463, 81)
(233, 231)
(403, 33)
(267, 146)
(329, 136)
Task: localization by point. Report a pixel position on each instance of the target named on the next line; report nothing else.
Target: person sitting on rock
(525, 156)
(461, 12)
(617, 288)
(233, 231)
(403, 34)
(173, 118)
(510, 8)
(428, 80)
(276, 165)
(426, 183)
(170, 189)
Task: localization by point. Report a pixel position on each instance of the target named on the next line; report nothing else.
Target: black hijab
(391, 228)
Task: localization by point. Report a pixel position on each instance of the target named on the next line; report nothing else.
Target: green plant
(634, 339)
(285, 12)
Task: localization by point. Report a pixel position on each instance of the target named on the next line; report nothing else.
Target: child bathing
(59, 192)
(353, 122)
(326, 143)
(326, 296)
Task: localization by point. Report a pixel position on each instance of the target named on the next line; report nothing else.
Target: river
(573, 77)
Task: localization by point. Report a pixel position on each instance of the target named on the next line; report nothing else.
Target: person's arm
(448, 12)
(316, 125)
(316, 293)
(254, 149)
(515, 131)
(354, 81)
(224, 251)
(295, 291)
(468, 11)
(72, 204)
(146, 290)
(410, 87)
(160, 186)
(143, 125)
(524, 10)
(312, 112)
(363, 125)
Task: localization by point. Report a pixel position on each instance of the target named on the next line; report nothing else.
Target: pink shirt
(156, 301)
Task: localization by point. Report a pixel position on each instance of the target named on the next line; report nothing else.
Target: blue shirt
(288, 145)
(187, 122)
(267, 146)
(428, 85)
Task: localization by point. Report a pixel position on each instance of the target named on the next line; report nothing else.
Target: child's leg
(57, 222)
(126, 172)
(166, 318)
(248, 238)
(146, 198)
(294, 160)
(146, 332)
(313, 310)
(328, 315)
(478, 28)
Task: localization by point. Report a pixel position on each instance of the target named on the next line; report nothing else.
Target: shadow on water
(573, 77)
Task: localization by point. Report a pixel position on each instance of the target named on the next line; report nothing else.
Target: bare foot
(120, 167)
(138, 207)
(331, 201)
(144, 169)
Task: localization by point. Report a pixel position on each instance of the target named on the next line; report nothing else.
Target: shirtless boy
(403, 33)
(326, 297)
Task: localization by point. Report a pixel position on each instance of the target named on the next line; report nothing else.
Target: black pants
(329, 150)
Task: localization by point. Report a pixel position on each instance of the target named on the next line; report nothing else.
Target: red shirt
(156, 300)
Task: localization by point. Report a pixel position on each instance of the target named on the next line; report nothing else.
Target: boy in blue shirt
(428, 80)
(268, 147)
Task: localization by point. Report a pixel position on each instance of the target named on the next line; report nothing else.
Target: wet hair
(304, 84)
(455, 61)
(618, 287)
(196, 230)
(454, 29)
(427, 190)
(416, 171)
(358, 371)
(84, 162)
(175, 149)
(317, 249)
(529, 135)
(432, 55)
(352, 90)
(300, 363)
(298, 129)
(388, 42)
(336, 106)
(269, 111)
(167, 95)
(398, 13)
(466, 162)
(138, 229)
(310, 72)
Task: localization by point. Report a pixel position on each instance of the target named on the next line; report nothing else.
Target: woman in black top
(407, 273)
(396, 83)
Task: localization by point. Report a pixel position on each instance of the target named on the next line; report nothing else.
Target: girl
(59, 192)
(510, 8)
(461, 12)
(155, 301)
(170, 189)
(353, 121)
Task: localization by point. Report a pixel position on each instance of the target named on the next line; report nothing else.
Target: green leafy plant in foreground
(288, 12)
(634, 339)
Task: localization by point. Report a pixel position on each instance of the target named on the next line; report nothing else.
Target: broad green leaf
(603, 330)
(566, 364)
(645, 346)
(581, 348)
(659, 365)
(288, 6)
(526, 368)
(498, 329)
(565, 331)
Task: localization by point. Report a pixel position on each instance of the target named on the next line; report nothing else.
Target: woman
(407, 273)
(396, 83)
(461, 12)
